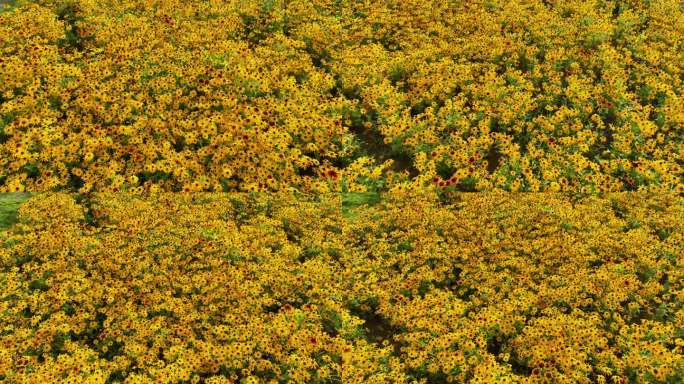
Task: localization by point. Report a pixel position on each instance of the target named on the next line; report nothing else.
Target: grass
(6, 4)
(9, 204)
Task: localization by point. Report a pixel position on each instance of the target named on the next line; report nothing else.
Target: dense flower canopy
(316, 95)
(227, 288)
(272, 191)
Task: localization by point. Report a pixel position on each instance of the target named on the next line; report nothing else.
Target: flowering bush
(271, 95)
(223, 288)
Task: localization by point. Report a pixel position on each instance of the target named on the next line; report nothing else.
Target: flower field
(342, 191)
(273, 288)
(341, 95)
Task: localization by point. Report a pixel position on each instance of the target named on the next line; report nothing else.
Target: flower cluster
(401, 287)
(170, 96)
(278, 94)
